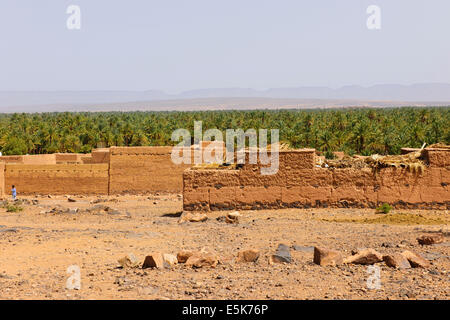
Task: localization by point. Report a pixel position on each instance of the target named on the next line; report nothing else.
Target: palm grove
(354, 131)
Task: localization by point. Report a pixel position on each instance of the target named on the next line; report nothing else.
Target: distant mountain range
(378, 95)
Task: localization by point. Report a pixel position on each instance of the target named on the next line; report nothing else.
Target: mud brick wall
(100, 155)
(438, 157)
(70, 158)
(57, 178)
(40, 159)
(30, 159)
(2, 179)
(86, 159)
(144, 170)
(11, 159)
(299, 184)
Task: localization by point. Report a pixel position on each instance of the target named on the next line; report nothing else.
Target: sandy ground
(37, 247)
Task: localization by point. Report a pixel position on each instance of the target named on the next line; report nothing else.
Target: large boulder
(250, 255)
(326, 257)
(430, 239)
(232, 217)
(283, 254)
(187, 216)
(202, 259)
(184, 255)
(397, 261)
(154, 260)
(170, 259)
(365, 256)
(415, 259)
(129, 261)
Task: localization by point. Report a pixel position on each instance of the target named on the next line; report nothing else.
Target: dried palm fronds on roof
(411, 161)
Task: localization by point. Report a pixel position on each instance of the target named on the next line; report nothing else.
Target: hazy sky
(176, 45)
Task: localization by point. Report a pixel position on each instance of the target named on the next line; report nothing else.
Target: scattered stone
(154, 260)
(202, 259)
(397, 261)
(183, 256)
(98, 200)
(430, 239)
(73, 210)
(416, 260)
(250, 255)
(71, 200)
(283, 254)
(192, 217)
(232, 217)
(129, 261)
(14, 230)
(170, 259)
(221, 219)
(366, 256)
(325, 257)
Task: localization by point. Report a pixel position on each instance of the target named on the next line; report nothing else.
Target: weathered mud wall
(57, 178)
(2, 179)
(30, 159)
(143, 170)
(114, 170)
(299, 183)
(100, 155)
(69, 158)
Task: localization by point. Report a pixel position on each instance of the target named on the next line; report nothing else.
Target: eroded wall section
(300, 184)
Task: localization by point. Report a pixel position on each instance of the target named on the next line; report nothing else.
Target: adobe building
(299, 182)
(115, 170)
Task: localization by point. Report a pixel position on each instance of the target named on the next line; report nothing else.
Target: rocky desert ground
(50, 234)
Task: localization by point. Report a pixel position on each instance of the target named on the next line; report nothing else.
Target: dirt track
(36, 248)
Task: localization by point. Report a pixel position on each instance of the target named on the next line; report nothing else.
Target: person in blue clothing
(14, 192)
